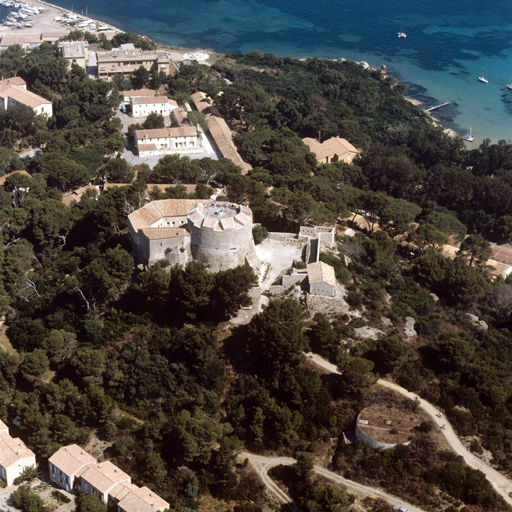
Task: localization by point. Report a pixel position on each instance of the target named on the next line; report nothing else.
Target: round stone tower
(221, 235)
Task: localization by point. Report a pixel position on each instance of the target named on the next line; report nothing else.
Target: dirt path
(262, 465)
(501, 483)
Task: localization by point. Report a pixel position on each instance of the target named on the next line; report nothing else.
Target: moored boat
(482, 79)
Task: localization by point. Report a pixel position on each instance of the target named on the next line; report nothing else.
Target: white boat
(509, 86)
(482, 79)
(402, 34)
(469, 137)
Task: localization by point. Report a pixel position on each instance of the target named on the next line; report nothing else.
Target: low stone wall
(276, 289)
(293, 279)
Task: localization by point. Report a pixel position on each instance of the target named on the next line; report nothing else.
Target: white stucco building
(162, 141)
(13, 92)
(142, 106)
(14, 455)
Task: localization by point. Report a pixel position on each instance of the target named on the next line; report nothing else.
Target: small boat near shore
(509, 86)
(469, 137)
(482, 79)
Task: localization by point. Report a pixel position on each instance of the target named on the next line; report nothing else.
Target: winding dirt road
(262, 465)
(501, 483)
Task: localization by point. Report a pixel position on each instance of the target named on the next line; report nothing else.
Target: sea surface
(449, 43)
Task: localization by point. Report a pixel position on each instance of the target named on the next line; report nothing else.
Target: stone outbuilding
(332, 150)
(322, 279)
(14, 456)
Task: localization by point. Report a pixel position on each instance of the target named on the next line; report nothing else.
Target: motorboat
(482, 79)
(469, 137)
(509, 86)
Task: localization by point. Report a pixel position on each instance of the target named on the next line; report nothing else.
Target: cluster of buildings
(72, 468)
(13, 92)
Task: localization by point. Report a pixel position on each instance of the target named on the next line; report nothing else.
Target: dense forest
(146, 358)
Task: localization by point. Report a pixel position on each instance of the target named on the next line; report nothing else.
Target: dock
(436, 107)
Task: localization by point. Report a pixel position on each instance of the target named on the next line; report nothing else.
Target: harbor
(29, 24)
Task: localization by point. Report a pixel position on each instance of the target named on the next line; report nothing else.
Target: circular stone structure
(376, 425)
(221, 235)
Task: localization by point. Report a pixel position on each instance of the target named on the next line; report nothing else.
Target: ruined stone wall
(221, 249)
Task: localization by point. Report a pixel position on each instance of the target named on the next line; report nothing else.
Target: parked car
(398, 508)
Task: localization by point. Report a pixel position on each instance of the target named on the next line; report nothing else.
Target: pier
(438, 106)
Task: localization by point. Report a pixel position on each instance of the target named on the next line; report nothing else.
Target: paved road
(501, 483)
(262, 465)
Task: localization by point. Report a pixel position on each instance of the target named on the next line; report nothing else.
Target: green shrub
(259, 233)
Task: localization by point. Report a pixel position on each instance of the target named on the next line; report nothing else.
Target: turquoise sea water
(449, 44)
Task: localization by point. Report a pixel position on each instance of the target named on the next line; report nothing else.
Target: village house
(99, 479)
(145, 105)
(124, 62)
(66, 464)
(75, 52)
(14, 456)
(130, 498)
(13, 92)
(137, 93)
(332, 150)
(162, 141)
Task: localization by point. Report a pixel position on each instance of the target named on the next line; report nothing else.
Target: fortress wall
(169, 249)
(222, 249)
(283, 236)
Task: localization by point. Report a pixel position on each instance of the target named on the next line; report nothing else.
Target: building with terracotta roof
(130, 498)
(99, 479)
(66, 464)
(219, 130)
(137, 93)
(322, 280)
(72, 468)
(15, 80)
(178, 230)
(163, 141)
(332, 150)
(142, 106)
(14, 95)
(14, 455)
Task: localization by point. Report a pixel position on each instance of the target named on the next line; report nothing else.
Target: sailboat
(482, 79)
(402, 34)
(509, 86)
(469, 137)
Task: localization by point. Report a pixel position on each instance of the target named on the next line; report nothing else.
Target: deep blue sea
(449, 43)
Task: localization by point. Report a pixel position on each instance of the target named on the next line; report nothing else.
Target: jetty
(436, 107)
